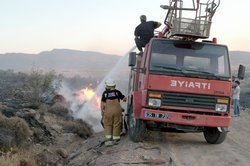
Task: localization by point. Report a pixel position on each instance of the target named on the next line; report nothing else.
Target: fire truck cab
(180, 84)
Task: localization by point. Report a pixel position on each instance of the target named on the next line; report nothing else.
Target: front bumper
(185, 118)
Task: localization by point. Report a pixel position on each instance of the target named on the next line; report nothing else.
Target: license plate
(156, 115)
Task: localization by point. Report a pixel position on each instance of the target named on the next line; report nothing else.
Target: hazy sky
(107, 26)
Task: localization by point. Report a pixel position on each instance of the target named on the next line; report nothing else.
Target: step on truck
(181, 84)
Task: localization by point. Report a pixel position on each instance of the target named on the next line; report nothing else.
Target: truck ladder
(196, 23)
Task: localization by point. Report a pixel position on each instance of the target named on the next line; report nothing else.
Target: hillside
(65, 61)
(239, 57)
(46, 134)
(85, 63)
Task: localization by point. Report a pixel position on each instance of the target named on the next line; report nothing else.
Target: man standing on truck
(236, 98)
(112, 112)
(145, 31)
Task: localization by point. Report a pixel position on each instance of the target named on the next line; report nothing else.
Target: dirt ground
(158, 148)
(171, 149)
(191, 149)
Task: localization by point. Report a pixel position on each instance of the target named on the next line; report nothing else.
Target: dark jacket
(112, 95)
(145, 30)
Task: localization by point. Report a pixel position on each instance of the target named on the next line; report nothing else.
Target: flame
(98, 100)
(88, 94)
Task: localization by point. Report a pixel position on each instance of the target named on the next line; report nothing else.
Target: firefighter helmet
(110, 82)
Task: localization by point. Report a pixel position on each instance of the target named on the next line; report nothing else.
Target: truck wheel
(136, 127)
(214, 136)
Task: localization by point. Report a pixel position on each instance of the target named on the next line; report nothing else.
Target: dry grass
(18, 158)
(14, 132)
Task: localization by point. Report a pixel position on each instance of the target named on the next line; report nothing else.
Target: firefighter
(144, 32)
(112, 112)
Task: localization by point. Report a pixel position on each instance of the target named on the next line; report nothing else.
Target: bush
(41, 84)
(60, 109)
(24, 157)
(78, 127)
(28, 89)
(14, 132)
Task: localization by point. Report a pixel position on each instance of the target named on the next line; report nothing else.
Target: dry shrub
(43, 108)
(14, 132)
(78, 127)
(47, 158)
(60, 109)
(40, 83)
(19, 158)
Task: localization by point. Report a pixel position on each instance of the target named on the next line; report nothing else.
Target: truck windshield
(192, 59)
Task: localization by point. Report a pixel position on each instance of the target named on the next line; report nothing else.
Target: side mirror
(241, 72)
(132, 59)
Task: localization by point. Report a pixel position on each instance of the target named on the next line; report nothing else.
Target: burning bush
(14, 132)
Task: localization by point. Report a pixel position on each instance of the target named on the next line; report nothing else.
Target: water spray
(120, 74)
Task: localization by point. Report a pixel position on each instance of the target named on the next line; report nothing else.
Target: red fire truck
(181, 84)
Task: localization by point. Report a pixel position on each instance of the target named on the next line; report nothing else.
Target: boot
(108, 142)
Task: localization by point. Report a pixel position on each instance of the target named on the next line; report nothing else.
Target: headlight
(154, 102)
(221, 108)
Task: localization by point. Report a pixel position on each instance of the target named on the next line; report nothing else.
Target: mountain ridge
(64, 61)
(87, 63)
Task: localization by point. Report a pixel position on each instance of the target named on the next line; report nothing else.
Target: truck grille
(188, 100)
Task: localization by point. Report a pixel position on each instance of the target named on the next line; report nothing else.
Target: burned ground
(29, 126)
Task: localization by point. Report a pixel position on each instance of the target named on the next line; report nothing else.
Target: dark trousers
(140, 43)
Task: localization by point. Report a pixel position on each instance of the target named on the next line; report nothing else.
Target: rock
(62, 152)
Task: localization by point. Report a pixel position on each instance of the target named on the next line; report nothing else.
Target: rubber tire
(214, 136)
(136, 127)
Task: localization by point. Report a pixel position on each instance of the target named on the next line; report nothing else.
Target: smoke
(89, 111)
(75, 103)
